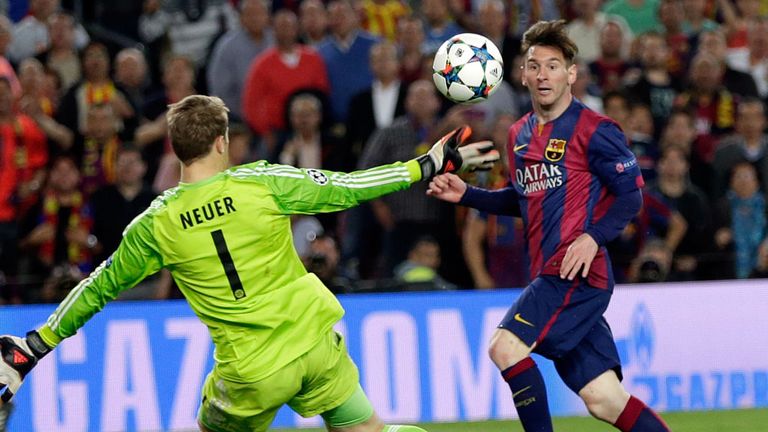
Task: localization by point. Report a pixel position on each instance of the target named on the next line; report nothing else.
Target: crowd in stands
(346, 84)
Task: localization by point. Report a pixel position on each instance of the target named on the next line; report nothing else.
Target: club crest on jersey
(555, 150)
(318, 177)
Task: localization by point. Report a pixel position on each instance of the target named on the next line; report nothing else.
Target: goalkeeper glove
(447, 155)
(478, 156)
(444, 157)
(18, 356)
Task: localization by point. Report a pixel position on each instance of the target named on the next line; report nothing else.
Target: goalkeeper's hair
(553, 34)
(194, 123)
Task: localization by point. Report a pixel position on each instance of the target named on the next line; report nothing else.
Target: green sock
(403, 428)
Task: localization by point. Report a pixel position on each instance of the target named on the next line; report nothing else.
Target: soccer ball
(467, 68)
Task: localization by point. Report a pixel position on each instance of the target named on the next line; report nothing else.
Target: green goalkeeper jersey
(227, 242)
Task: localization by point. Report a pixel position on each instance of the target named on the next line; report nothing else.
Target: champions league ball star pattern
(467, 68)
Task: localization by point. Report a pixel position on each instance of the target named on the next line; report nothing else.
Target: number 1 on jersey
(229, 265)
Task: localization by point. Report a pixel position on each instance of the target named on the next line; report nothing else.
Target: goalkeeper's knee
(402, 428)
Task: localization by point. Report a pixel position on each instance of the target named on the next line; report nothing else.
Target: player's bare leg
(607, 400)
(513, 358)
(506, 349)
(605, 397)
(373, 424)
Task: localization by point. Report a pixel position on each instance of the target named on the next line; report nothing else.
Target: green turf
(704, 421)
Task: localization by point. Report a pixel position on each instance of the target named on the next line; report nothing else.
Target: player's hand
(17, 358)
(444, 155)
(447, 187)
(479, 156)
(579, 256)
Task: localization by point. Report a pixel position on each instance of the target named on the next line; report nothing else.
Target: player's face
(548, 77)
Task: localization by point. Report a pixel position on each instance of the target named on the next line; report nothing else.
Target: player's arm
(616, 167)
(135, 258)
(614, 164)
(316, 191)
(451, 188)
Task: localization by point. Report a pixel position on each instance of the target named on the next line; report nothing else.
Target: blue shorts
(565, 320)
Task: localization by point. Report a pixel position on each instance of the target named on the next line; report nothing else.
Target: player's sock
(529, 395)
(637, 417)
(402, 428)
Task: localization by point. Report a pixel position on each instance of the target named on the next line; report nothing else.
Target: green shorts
(318, 381)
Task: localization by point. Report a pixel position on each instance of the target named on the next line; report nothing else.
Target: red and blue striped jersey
(566, 174)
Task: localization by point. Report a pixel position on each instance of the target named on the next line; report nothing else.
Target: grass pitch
(753, 420)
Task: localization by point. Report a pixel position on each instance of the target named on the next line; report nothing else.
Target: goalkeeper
(225, 236)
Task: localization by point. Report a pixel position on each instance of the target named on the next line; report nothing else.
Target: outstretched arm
(299, 191)
(451, 188)
(134, 259)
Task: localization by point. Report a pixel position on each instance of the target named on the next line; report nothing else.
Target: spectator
(761, 268)
(494, 245)
(679, 43)
(58, 229)
(61, 55)
(616, 106)
(381, 17)
(753, 58)
(39, 107)
(96, 88)
(346, 53)
(492, 23)
(696, 20)
(737, 17)
(525, 14)
(120, 19)
(582, 87)
(114, 206)
(713, 105)
(132, 75)
(610, 66)
(680, 131)
(656, 220)
(30, 35)
(377, 106)
(586, 27)
(6, 69)
(178, 83)
(8, 210)
(192, 30)
(640, 132)
(639, 14)
(236, 50)
(741, 83)
(410, 213)
(652, 264)
(749, 143)
(676, 190)
(420, 268)
(305, 144)
(741, 220)
(96, 151)
(239, 144)
(313, 22)
(30, 153)
(323, 260)
(411, 46)
(438, 24)
(275, 75)
(655, 87)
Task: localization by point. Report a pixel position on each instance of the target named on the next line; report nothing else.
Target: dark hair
(553, 34)
(194, 123)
